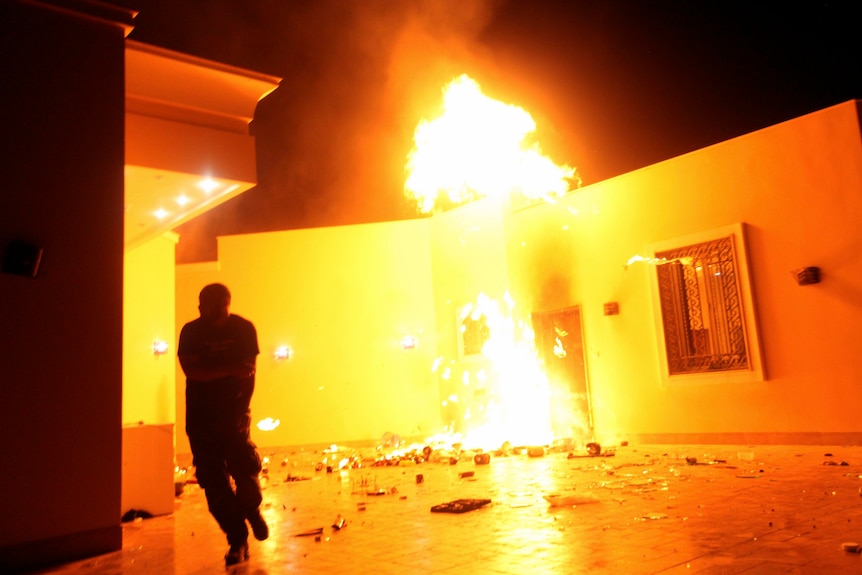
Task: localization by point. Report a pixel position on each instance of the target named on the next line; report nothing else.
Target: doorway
(560, 344)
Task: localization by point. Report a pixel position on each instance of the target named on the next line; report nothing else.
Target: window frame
(755, 371)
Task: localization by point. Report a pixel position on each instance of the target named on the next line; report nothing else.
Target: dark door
(560, 343)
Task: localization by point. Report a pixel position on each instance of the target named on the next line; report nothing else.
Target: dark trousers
(223, 451)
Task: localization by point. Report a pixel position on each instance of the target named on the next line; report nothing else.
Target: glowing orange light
(283, 352)
(686, 261)
(559, 348)
(208, 185)
(479, 147)
(506, 395)
(268, 424)
(160, 347)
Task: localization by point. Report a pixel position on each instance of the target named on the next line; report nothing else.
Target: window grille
(701, 308)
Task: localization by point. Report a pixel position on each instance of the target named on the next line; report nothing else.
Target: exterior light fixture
(283, 352)
(807, 276)
(22, 259)
(160, 347)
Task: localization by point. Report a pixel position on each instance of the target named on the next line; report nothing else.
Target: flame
(505, 396)
(479, 147)
(268, 424)
(559, 348)
(637, 258)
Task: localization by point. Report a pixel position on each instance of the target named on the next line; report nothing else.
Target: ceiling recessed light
(161, 213)
(208, 185)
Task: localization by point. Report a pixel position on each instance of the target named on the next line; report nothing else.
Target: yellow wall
(798, 187)
(342, 298)
(468, 257)
(148, 315)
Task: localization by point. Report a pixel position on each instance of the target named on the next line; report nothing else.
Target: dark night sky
(613, 85)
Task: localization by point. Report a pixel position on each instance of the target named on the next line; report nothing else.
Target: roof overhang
(188, 147)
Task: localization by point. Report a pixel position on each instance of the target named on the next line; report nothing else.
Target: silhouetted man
(218, 352)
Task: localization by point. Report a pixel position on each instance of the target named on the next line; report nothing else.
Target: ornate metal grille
(704, 328)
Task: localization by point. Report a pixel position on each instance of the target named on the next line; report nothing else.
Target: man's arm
(198, 370)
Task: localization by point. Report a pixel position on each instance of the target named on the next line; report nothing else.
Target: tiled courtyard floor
(647, 509)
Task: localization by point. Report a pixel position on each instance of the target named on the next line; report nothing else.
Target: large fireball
(479, 147)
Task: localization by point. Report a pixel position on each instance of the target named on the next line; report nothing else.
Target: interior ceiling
(157, 201)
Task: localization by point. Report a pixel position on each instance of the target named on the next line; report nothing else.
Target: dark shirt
(225, 399)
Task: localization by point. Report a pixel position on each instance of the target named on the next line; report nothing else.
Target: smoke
(336, 142)
(613, 86)
(332, 140)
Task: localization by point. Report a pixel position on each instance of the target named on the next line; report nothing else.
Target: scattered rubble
(460, 506)
(646, 487)
(569, 500)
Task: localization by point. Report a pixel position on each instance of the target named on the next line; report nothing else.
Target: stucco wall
(342, 298)
(798, 188)
(149, 307)
(62, 332)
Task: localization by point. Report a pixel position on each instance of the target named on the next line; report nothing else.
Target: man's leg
(212, 475)
(244, 466)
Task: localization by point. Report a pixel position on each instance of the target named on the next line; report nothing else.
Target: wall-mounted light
(612, 308)
(283, 352)
(160, 347)
(22, 258)
(409, 342)
(807, 276)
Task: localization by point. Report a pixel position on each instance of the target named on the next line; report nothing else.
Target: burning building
(719, 232)
(710, 298)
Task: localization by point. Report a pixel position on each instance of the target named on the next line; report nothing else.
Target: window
(704, 304)
(474, 334)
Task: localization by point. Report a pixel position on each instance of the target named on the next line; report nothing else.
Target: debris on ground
(569, 500)
(133, 514)
(593, 449)
(291, 478)
(460, 506)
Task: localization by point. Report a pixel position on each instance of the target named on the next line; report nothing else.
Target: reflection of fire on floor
(646, 509)
(517, 477)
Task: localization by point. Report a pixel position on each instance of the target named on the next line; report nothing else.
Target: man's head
(214, 302)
